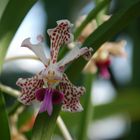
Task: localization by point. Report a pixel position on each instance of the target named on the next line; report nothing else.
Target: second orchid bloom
(101, 59)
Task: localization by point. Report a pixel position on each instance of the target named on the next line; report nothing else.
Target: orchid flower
(51, 85)
(101, 60)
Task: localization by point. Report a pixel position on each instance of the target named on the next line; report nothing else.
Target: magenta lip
(48, 97)
(57, 97)
(40, 93)
(103, 68)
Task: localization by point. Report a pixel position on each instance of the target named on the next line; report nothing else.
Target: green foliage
(106, 31)
(12, 13)
(4, 127)
(3, 4)
(127, 102)
(92, 15)
(44, 125)
(86, 115)
(114, 25)
(11, 18)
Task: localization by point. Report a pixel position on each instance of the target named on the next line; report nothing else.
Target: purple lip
(48, 98)
(103, 68)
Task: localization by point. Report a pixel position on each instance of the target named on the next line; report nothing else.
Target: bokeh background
(116, 101)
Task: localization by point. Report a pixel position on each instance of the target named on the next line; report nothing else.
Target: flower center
(52, 78)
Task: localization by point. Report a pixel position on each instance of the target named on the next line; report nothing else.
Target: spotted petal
(28, 88)
(74, 54)
(71, 95)
(38, 49)
(59, 35)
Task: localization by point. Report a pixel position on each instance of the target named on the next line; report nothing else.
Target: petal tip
(26, 43)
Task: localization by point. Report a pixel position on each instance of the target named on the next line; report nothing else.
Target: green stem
(88, 112)
(88, 108)
(12, 92)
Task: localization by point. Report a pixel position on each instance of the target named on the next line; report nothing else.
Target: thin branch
(9, 90)
(21, 57)
(63, 129)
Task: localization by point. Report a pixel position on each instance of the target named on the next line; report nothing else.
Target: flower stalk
(21, 57)
(9, 90)
(88, 108)
(60, 123)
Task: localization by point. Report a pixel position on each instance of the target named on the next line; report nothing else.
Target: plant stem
(88, 108)
(9, 90)
(12, 92)
(21, 57)
(88, 112)
(63, 129)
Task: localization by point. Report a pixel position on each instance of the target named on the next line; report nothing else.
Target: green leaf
(12, 109)
(44, 125)
(25, 116)
(114, 25)
(106, 31)
(11, 17)
(4, 126)
(126, 102)
(3, 4)
(92, 15)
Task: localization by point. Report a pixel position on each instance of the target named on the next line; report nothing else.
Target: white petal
(38, 49)
(74, 54)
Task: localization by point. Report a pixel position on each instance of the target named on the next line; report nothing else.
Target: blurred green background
(115, 102)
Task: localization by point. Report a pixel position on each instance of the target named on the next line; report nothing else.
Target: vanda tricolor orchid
(51, 85)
